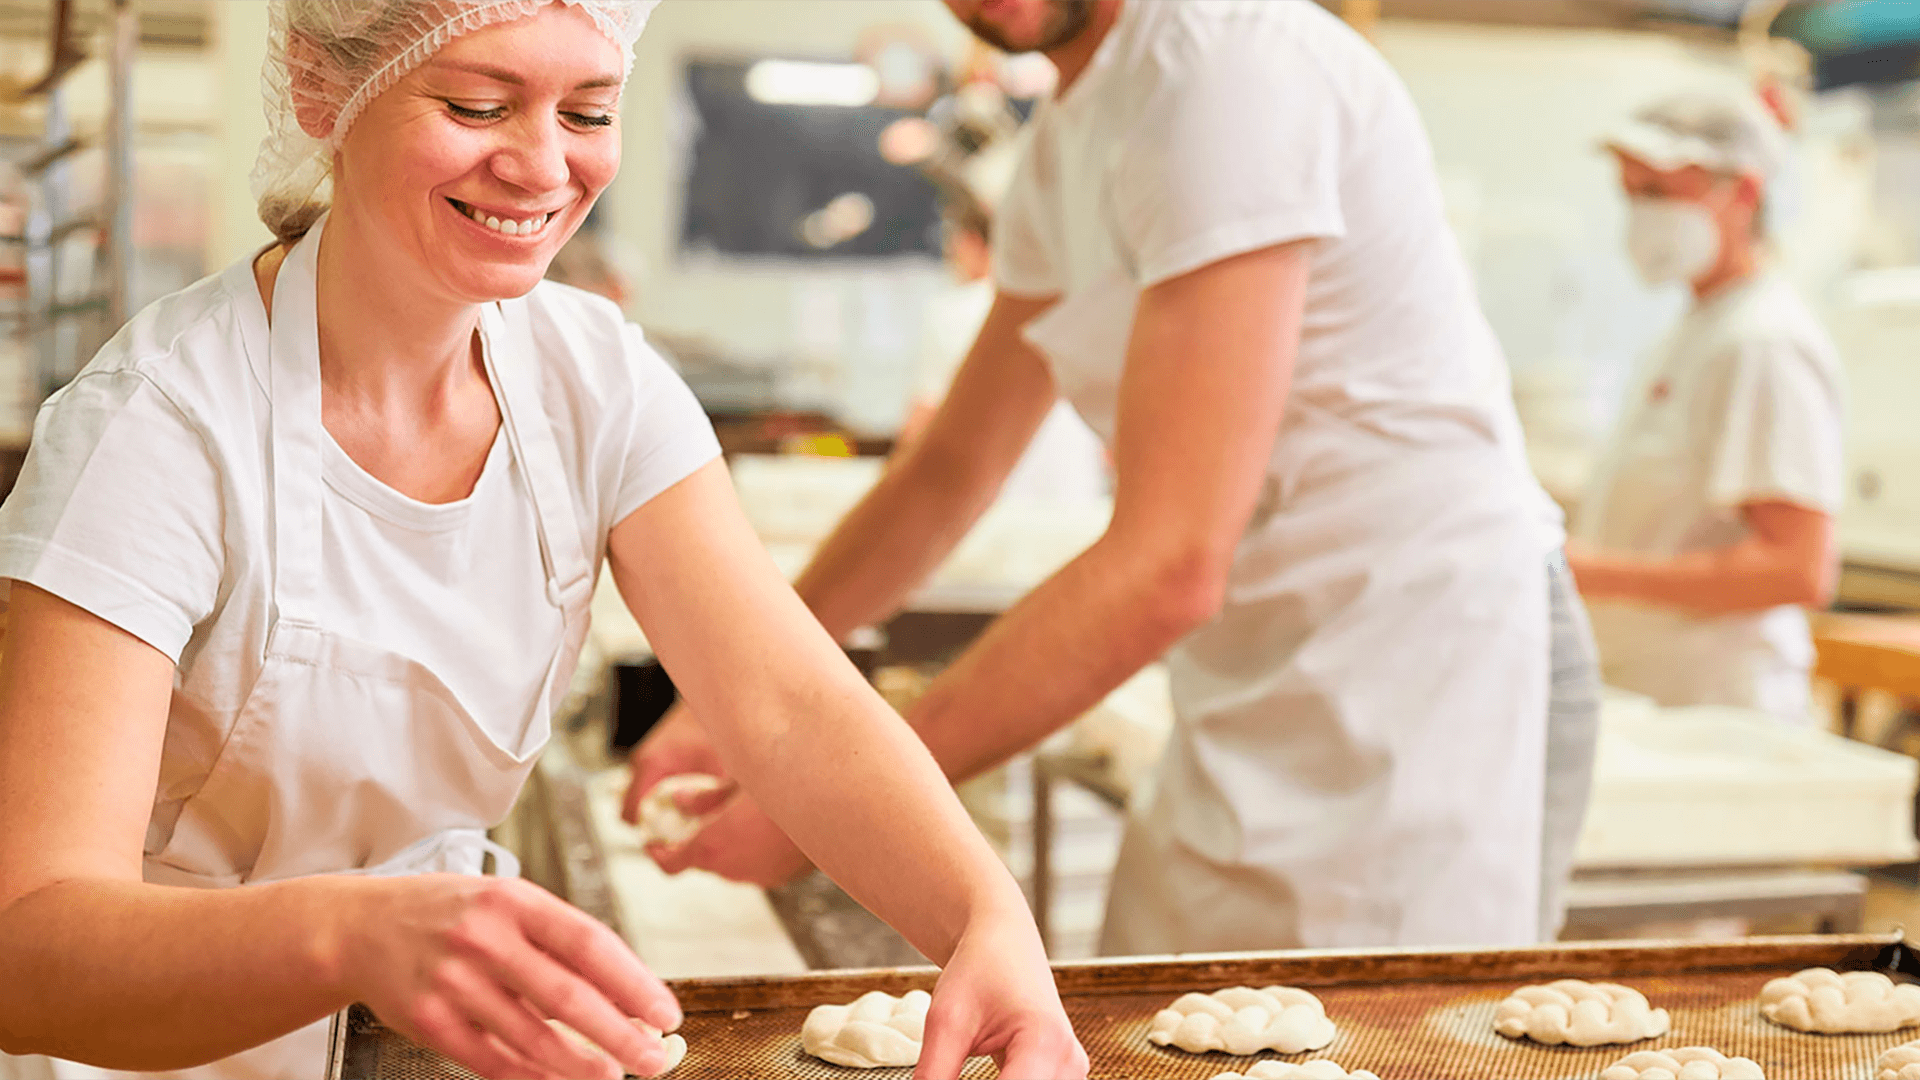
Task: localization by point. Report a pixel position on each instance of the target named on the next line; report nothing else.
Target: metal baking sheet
(1426, 1014)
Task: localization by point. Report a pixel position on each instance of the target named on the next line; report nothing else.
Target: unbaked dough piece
(1579, 1013)
(1822, 1000)
(676, 1052)
(1317, 1069)
(1241, 1020)
(661, 819)
(675, 1044)
(876, 1031)
(1684, 1063)
(1900, 1063)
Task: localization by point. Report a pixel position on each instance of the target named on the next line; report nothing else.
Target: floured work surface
(1399, 1014)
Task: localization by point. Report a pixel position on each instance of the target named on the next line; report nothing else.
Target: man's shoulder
(1191, 28)
(1271, 49)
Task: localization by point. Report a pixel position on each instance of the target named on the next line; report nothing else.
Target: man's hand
(741, 844)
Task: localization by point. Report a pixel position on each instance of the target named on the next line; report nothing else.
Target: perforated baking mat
(1425, 1014)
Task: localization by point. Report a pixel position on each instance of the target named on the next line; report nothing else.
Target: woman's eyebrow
(500, 74)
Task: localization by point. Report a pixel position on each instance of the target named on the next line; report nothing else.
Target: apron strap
(449, 851)
(512, 361)
(296, 432)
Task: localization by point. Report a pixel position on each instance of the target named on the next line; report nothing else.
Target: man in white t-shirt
(1225, 245)
(1709, 523)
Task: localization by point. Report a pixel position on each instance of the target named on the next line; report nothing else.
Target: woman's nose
(534, 157)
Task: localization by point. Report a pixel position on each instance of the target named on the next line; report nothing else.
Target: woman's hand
(677, 744)
(996, 996)
(740, 843)
(474, 966)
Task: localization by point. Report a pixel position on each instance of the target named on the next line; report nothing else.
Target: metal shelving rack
(62, 321)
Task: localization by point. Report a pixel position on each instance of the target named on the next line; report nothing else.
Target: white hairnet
(350, 52)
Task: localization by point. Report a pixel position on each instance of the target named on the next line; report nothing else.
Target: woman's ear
(316, 86)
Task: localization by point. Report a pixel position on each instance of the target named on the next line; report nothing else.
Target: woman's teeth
(505, 226)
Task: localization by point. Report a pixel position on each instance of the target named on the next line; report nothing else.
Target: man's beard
(1068, 19)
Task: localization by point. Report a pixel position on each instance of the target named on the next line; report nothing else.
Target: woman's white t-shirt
(145, 500)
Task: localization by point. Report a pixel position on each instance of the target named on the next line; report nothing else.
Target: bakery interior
(782, 229)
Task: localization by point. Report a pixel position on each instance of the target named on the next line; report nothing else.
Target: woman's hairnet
(329, 58)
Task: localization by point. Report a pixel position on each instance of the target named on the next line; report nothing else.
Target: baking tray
(1402, 1014)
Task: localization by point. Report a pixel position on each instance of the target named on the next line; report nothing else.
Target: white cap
(1723, 132)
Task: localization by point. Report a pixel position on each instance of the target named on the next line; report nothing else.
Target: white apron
(347, 758)
(1358, 753)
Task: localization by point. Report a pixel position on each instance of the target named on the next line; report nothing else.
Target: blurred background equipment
(103, 197)
(60, 324)
(785, 164)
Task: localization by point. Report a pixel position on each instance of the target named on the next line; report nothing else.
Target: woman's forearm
(855, 789)
(134, 976)
(792, 720)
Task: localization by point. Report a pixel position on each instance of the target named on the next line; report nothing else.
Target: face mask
(1670, 239)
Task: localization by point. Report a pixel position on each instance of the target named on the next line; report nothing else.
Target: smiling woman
(297, 572)
(481, 160)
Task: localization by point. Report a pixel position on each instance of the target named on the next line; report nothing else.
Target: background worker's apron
(1359, 745)
(348, 758)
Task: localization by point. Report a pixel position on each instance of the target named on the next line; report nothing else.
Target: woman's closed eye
(469, 112)
(478, 114)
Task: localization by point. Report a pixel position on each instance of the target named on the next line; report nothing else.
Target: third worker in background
(1709, 522)
(1225, 246)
